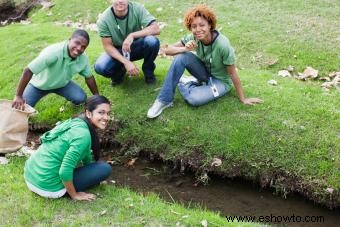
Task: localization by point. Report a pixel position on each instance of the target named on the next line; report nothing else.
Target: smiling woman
(52, 170)
(212, 66)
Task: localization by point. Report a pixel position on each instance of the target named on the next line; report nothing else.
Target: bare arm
(19, 102)
(152, 29)
(77, 195)
(178, 48)
(238, 86)
(91, 84)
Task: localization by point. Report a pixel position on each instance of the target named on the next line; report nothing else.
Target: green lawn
(291, 142)
(114, 206)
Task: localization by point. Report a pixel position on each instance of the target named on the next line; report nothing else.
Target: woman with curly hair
(212, 66)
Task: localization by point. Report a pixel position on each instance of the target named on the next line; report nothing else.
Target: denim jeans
(90, 175)
(195, 94)
(72, 92)
(143, 48)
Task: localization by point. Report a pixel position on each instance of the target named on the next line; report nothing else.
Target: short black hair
(82, 33)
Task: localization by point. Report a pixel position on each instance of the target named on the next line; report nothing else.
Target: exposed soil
(281, 182)
(9, 12)
(226, 196)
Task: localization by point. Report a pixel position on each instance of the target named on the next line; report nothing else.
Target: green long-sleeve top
(62, 149)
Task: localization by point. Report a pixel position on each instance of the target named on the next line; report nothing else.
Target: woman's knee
(105, 169)
(184, 57)
(194, 100)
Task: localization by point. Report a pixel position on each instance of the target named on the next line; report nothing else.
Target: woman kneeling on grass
(52, 170)
(212, 67)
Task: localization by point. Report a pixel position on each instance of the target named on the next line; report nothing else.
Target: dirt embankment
(281, 181)
(12, 12)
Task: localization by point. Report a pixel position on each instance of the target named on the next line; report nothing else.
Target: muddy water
(224, 196)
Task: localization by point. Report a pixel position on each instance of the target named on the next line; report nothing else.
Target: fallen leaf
(333, 74)
(131, 162)
(284, 73)
(272, 82)
(325, 78)
(103, 212)
(25, 22)
(272, 61)
(216, 162)
(3, 23)
(174, 212)
(3, 161)
(204, 223)
(334, 83)
(330, 190)
(290, 68)
(46, 4)
(309, 72)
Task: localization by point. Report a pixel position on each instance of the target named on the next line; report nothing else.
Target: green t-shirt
(62, 149)
(54, 68)
(117, 28)
(216, 56)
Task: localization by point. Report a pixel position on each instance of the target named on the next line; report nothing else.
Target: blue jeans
(195, 94)
(90, 175)
(72, 92)
(143, 48)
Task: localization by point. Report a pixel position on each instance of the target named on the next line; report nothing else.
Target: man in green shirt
(128, 32)
(52, 71)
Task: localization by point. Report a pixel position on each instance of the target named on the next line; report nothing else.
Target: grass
(296, 130)
(115, 206)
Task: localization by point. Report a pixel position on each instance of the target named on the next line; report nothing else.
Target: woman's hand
(252, 101)
(191, 45)
(82, 196)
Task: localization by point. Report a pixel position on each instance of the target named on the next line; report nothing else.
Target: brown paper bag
(13, 126)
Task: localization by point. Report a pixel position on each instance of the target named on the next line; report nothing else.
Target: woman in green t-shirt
(54, 168)
(212, 67)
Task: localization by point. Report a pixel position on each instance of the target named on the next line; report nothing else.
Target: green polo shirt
(216, 56)
(62, 149)
(54, 68)
(117, 28)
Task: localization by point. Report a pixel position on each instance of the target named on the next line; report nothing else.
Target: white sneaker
(157, 108)
(186, 79)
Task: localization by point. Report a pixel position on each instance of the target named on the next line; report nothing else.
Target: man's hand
(131, 68)
(18, 103)
(252, 101)
(127, 43)
(82, 196)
